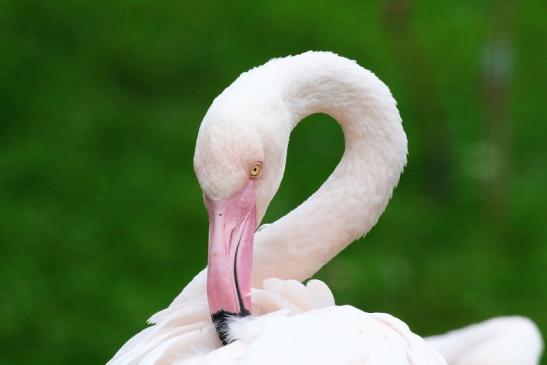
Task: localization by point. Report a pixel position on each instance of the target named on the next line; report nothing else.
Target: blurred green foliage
(102, 221)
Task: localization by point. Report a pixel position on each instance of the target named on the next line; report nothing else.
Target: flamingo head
(239, 162)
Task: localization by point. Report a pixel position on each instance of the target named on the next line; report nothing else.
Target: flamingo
(250, 306)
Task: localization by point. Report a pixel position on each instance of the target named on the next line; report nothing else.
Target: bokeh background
(101, 218)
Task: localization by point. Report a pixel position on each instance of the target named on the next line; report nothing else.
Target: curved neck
(352, 199)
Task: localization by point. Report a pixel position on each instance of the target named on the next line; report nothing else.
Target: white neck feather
(352, 199)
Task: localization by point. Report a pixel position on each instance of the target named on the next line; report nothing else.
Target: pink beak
(232, 224)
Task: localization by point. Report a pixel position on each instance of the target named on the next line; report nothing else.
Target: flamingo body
(293, 324)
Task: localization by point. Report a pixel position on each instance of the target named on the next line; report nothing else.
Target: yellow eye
(255, 170)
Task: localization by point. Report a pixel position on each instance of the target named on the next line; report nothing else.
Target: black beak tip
(222, 319)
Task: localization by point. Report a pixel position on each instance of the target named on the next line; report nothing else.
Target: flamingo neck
(354, 196)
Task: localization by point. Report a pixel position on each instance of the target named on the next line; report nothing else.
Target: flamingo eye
(255, 170)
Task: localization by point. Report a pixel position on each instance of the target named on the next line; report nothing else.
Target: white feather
(497, 341)
(293, 324)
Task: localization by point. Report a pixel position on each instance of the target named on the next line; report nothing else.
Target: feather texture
(293, 323)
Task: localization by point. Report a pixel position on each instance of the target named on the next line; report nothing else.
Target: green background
(101, 218)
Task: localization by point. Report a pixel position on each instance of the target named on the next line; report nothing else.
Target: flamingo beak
(232, 224)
